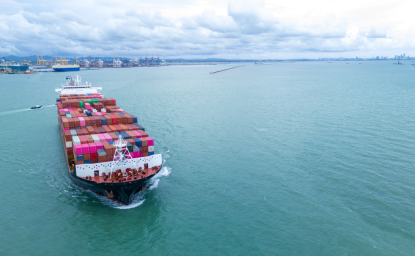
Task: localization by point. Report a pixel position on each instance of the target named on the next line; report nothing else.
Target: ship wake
(154, 182)
(21, 110)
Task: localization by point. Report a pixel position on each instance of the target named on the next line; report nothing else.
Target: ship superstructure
(107, 151)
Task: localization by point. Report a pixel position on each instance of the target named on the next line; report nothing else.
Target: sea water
(304, 158)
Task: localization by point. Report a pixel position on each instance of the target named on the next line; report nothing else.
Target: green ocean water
(305, 158)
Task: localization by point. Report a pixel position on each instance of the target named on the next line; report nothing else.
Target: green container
(81, 103)
(130, 147)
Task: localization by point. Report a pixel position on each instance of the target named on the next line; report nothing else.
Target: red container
(71, 123)
(94, 156)
(84, 131)
(90, 130)
(112, 127)
(114, 119)
(132, 135)
(96, 130)
(143, 133)
(89, 139)
(87, 121)
(109, 120)
(68, 136)
(106, 128)
(144, 142)
(131, 141)
(83, 139)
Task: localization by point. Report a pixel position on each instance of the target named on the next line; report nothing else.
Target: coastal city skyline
(236, 29)
(34, 59)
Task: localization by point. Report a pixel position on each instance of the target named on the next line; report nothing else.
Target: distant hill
(30, 58)
(33, 58)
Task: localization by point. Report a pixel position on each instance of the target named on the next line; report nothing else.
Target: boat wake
(13, 111)
(21, 110)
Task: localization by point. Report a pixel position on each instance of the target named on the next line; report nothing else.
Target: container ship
(65, 68)
(107, 151)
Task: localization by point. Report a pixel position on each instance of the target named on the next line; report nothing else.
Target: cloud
(374, 33)
(238, 29)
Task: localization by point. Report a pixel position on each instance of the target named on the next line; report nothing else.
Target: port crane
(61, 61)
(6, 69)
(40, 61)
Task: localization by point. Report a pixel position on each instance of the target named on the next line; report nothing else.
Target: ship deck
(148, 173)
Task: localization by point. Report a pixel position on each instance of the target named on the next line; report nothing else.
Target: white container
(95, 138)
(68, 144)
(150, 148)
(103, 110)
(94, 110)
(76, 140)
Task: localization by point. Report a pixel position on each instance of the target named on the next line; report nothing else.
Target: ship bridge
(75, 86)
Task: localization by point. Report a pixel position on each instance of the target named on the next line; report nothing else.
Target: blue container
(103, 120)
(138, 142)
(140, 127)
(76, 94)
(122, 113)
(134, 119)
(58, 100)
(111, 142)
(73, 132)
(125, 135)
(150, 153)
(67, 112)
(88, 113)
(80, 157)
(87, 161)
(68, 115)
(77, 128)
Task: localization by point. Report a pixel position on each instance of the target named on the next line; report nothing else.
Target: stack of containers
(91, 124)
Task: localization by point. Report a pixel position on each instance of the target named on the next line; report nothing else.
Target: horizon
(237, 29)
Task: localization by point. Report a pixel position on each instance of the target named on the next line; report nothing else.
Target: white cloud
(229, 29)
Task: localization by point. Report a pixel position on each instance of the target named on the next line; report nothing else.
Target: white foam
(131, 206)
(165, 171)
(14, 111)
(154, 182)
(21, 110)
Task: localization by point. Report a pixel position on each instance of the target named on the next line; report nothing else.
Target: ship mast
(121, 154)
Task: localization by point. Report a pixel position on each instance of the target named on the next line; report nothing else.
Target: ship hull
(122, 192)
(66, 69)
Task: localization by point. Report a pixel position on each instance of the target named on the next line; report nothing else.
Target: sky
(235, 29)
